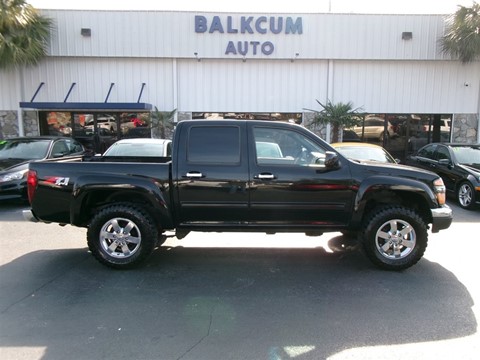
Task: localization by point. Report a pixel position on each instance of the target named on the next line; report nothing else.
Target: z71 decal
(59, 181)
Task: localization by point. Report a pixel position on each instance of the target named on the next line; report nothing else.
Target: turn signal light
(440, 191)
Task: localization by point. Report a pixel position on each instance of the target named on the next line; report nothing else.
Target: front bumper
(13, 190)
(441, 218)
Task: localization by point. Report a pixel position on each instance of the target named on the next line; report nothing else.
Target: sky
(270, 6)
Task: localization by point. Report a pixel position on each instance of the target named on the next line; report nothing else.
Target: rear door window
(214, 145)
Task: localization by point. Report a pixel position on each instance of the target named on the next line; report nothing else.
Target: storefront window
(403, 134)
(135, 125)
(57, 124)
(290, 117)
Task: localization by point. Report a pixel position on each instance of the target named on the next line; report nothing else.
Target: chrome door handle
(195, 175)
(265, 176)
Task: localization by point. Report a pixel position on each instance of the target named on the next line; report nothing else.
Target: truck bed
(59, 183)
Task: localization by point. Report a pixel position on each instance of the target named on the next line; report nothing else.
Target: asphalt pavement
(236, 296)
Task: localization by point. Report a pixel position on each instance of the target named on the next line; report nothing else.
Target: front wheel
(122, 236)
(466, 195)
(394, 238)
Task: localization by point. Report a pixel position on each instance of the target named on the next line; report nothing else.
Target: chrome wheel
(120, 238)
(395, 239)
(465, 195)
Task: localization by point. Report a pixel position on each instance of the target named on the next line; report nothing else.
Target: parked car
(457, 164)
(374, 129)
(422, 138)
(105, 122)
(364, 152)
(140, 147)
(17, 153)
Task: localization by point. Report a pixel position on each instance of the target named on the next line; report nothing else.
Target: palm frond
(462, 37)
(24, 34)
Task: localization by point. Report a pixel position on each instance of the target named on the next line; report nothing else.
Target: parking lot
(236, 296)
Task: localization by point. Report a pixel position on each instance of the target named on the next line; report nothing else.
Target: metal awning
(86, 106)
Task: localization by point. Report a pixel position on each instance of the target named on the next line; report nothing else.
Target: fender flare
(371, 186)
(155, 192)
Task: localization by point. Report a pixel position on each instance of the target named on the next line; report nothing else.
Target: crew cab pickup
(241, 176)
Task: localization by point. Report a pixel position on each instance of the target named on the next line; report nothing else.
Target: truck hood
(13, 164)
(398, 170)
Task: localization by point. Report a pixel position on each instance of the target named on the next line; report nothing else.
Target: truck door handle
(195, 175)
(265, 176)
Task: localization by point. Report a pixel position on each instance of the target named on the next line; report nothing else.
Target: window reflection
(402, 134)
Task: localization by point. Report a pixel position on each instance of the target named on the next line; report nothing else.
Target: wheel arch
(90, 196)
(387, 191)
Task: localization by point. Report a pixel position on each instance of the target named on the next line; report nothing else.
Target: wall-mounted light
(466, 84)
(244, 59)
(87, 32)
(407, 35)
(196, 56)
(295, 57)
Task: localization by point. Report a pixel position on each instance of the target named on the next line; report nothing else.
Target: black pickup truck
(230, 175)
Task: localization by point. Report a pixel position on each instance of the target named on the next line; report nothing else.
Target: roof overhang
(85, 106)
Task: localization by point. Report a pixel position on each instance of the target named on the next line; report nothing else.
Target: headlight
(17, 175)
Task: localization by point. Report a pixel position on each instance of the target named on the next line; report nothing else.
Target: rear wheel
(394, 238)
(466, 195)
(122, 236)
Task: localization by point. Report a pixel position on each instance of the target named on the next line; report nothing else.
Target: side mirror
(331, 160)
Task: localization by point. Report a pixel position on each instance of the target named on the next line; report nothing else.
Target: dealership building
(120, 65)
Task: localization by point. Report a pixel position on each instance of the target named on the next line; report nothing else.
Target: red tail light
(32, 182)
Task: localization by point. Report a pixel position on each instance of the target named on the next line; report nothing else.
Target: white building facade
(116, 62)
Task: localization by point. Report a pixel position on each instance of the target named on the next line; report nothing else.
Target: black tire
(122, 236)
(466, 195)
(394, 237)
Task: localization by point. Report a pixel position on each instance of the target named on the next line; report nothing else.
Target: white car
(140, 147)
(374, 129)
(104, 122)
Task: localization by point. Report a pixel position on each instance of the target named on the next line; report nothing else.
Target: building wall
(465, 129)
(164, 34)
(215, 85)
(9, 89)
(9, 124)
(251, 86)
(340, 57)
(93, 77)
(424, 87)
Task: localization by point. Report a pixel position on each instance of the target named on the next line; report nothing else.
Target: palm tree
(462, 39)
(339, 115)
(162, 122)
(24, 34)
